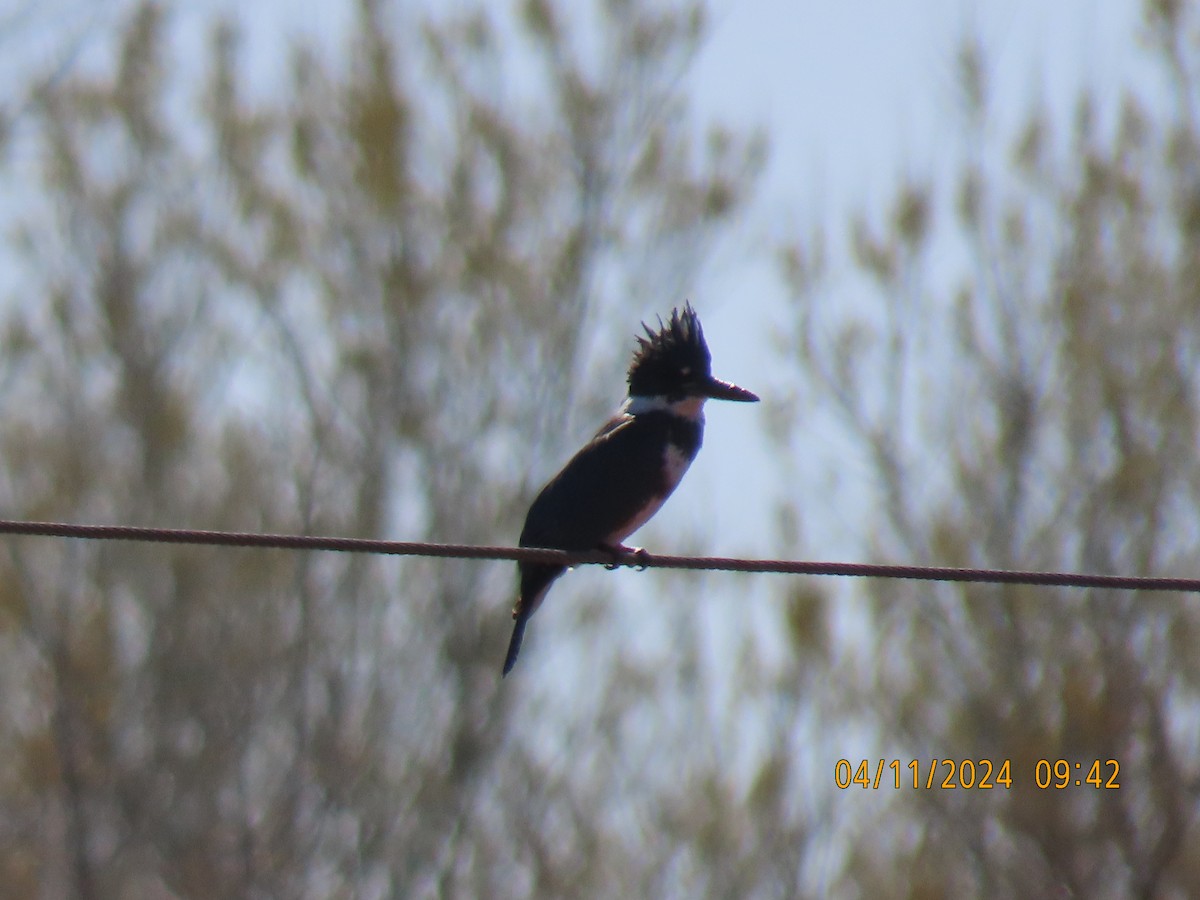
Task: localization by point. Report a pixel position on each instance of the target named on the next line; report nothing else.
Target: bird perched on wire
(621, 477)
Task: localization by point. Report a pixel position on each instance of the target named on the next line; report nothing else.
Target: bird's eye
(686, 370)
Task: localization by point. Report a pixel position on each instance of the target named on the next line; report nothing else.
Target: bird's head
(672, 365)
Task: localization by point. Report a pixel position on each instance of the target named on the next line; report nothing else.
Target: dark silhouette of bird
(622, 476)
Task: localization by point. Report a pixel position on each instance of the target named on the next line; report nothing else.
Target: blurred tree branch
(346, 308)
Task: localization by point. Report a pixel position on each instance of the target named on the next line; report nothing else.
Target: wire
(639, 559)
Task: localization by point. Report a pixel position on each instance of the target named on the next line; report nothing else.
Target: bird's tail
(514, 645)
(535, 582)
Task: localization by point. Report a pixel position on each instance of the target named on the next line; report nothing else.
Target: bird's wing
(605, 485)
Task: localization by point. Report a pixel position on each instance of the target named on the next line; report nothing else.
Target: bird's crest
(667, 359)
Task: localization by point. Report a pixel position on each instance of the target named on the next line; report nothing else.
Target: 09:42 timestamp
(1062, 773)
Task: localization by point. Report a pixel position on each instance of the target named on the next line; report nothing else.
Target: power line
(571, 558)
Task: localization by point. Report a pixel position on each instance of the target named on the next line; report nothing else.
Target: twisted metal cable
(596, 557)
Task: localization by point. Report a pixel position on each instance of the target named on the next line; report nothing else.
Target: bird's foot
(620, 551)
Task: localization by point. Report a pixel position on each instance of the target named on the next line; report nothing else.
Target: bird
(622, 476)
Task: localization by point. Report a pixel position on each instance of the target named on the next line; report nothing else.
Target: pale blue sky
(853, 91)
(854, 95)
(851, 94)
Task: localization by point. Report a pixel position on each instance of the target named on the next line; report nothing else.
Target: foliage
(344, 309)
(1041, 413)
(348, 306)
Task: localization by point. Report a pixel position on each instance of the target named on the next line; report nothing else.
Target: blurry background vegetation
(356, 307)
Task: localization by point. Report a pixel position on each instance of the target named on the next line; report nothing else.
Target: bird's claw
(620, 552)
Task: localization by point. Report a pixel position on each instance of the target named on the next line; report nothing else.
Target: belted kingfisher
(621, 477)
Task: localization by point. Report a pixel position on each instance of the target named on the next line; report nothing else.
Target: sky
(852, 94)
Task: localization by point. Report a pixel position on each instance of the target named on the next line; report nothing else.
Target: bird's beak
(723, 390)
